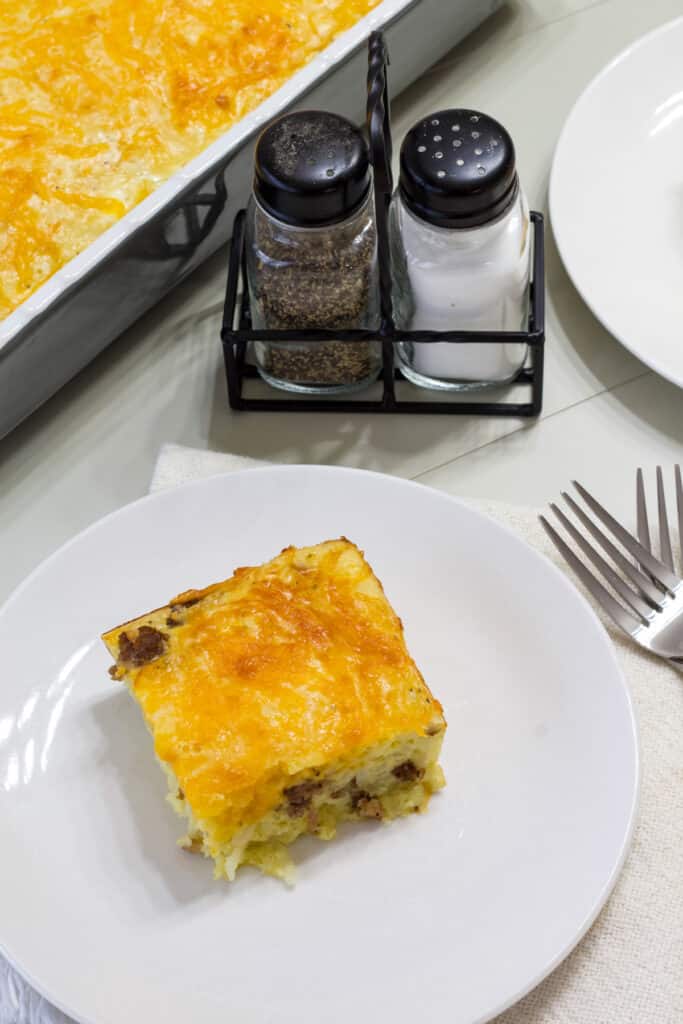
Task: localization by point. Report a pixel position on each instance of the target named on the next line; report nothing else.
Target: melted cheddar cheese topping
(283, 669)
(103, 100)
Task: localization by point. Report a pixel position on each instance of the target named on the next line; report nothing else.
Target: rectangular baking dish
(124, 272)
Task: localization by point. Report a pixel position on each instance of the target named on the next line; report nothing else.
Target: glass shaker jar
(460, 242)
(311, 252)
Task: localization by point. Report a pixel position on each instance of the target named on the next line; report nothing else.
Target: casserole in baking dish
(98, 293)
(102, 100)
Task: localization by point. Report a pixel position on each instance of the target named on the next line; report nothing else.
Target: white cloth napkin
(629, 968)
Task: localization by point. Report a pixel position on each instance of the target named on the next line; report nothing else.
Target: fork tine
(642, 582)
(633, 600)
(624, 619)
(679, 506)
(634, 547)
(665, 552)
(643, 525)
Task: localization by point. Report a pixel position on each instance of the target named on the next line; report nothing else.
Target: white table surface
(92, 448)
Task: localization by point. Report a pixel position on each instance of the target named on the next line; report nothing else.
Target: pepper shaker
(460, 242)
(311, 249)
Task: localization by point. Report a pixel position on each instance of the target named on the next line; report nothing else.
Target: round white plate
(447, 916)
(616, 198)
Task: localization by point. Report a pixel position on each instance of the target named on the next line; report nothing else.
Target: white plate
(448, 916)
(616, 198)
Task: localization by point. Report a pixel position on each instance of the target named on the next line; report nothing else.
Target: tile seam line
(528, 425)
(449, 64)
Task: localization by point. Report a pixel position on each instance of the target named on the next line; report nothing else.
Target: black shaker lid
(311, 168)
(458, 169)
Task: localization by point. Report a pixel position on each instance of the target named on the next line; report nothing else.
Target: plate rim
(560, 577)
(584, 96)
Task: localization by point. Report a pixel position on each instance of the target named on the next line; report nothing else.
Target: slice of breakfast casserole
(282, 701)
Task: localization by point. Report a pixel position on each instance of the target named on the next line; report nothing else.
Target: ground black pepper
(315, 278)
(329, 362)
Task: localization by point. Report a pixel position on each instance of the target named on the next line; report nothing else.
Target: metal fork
(651, 606)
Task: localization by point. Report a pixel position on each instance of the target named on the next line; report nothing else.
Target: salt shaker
(460, 242)
(311, 252)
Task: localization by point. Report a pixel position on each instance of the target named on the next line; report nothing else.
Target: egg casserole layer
(282, 701)
(102, 100)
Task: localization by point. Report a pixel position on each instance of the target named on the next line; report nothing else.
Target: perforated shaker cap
(311, 168)
(458, 169)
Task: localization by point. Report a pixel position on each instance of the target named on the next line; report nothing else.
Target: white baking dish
(95, 296)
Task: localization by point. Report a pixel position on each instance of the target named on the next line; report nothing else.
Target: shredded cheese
(103, 100)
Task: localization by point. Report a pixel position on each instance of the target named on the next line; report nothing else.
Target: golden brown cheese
(283, 700)
(103, 100)
(281, 668)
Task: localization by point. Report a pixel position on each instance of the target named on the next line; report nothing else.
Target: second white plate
(447, 916)
(616, 198)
